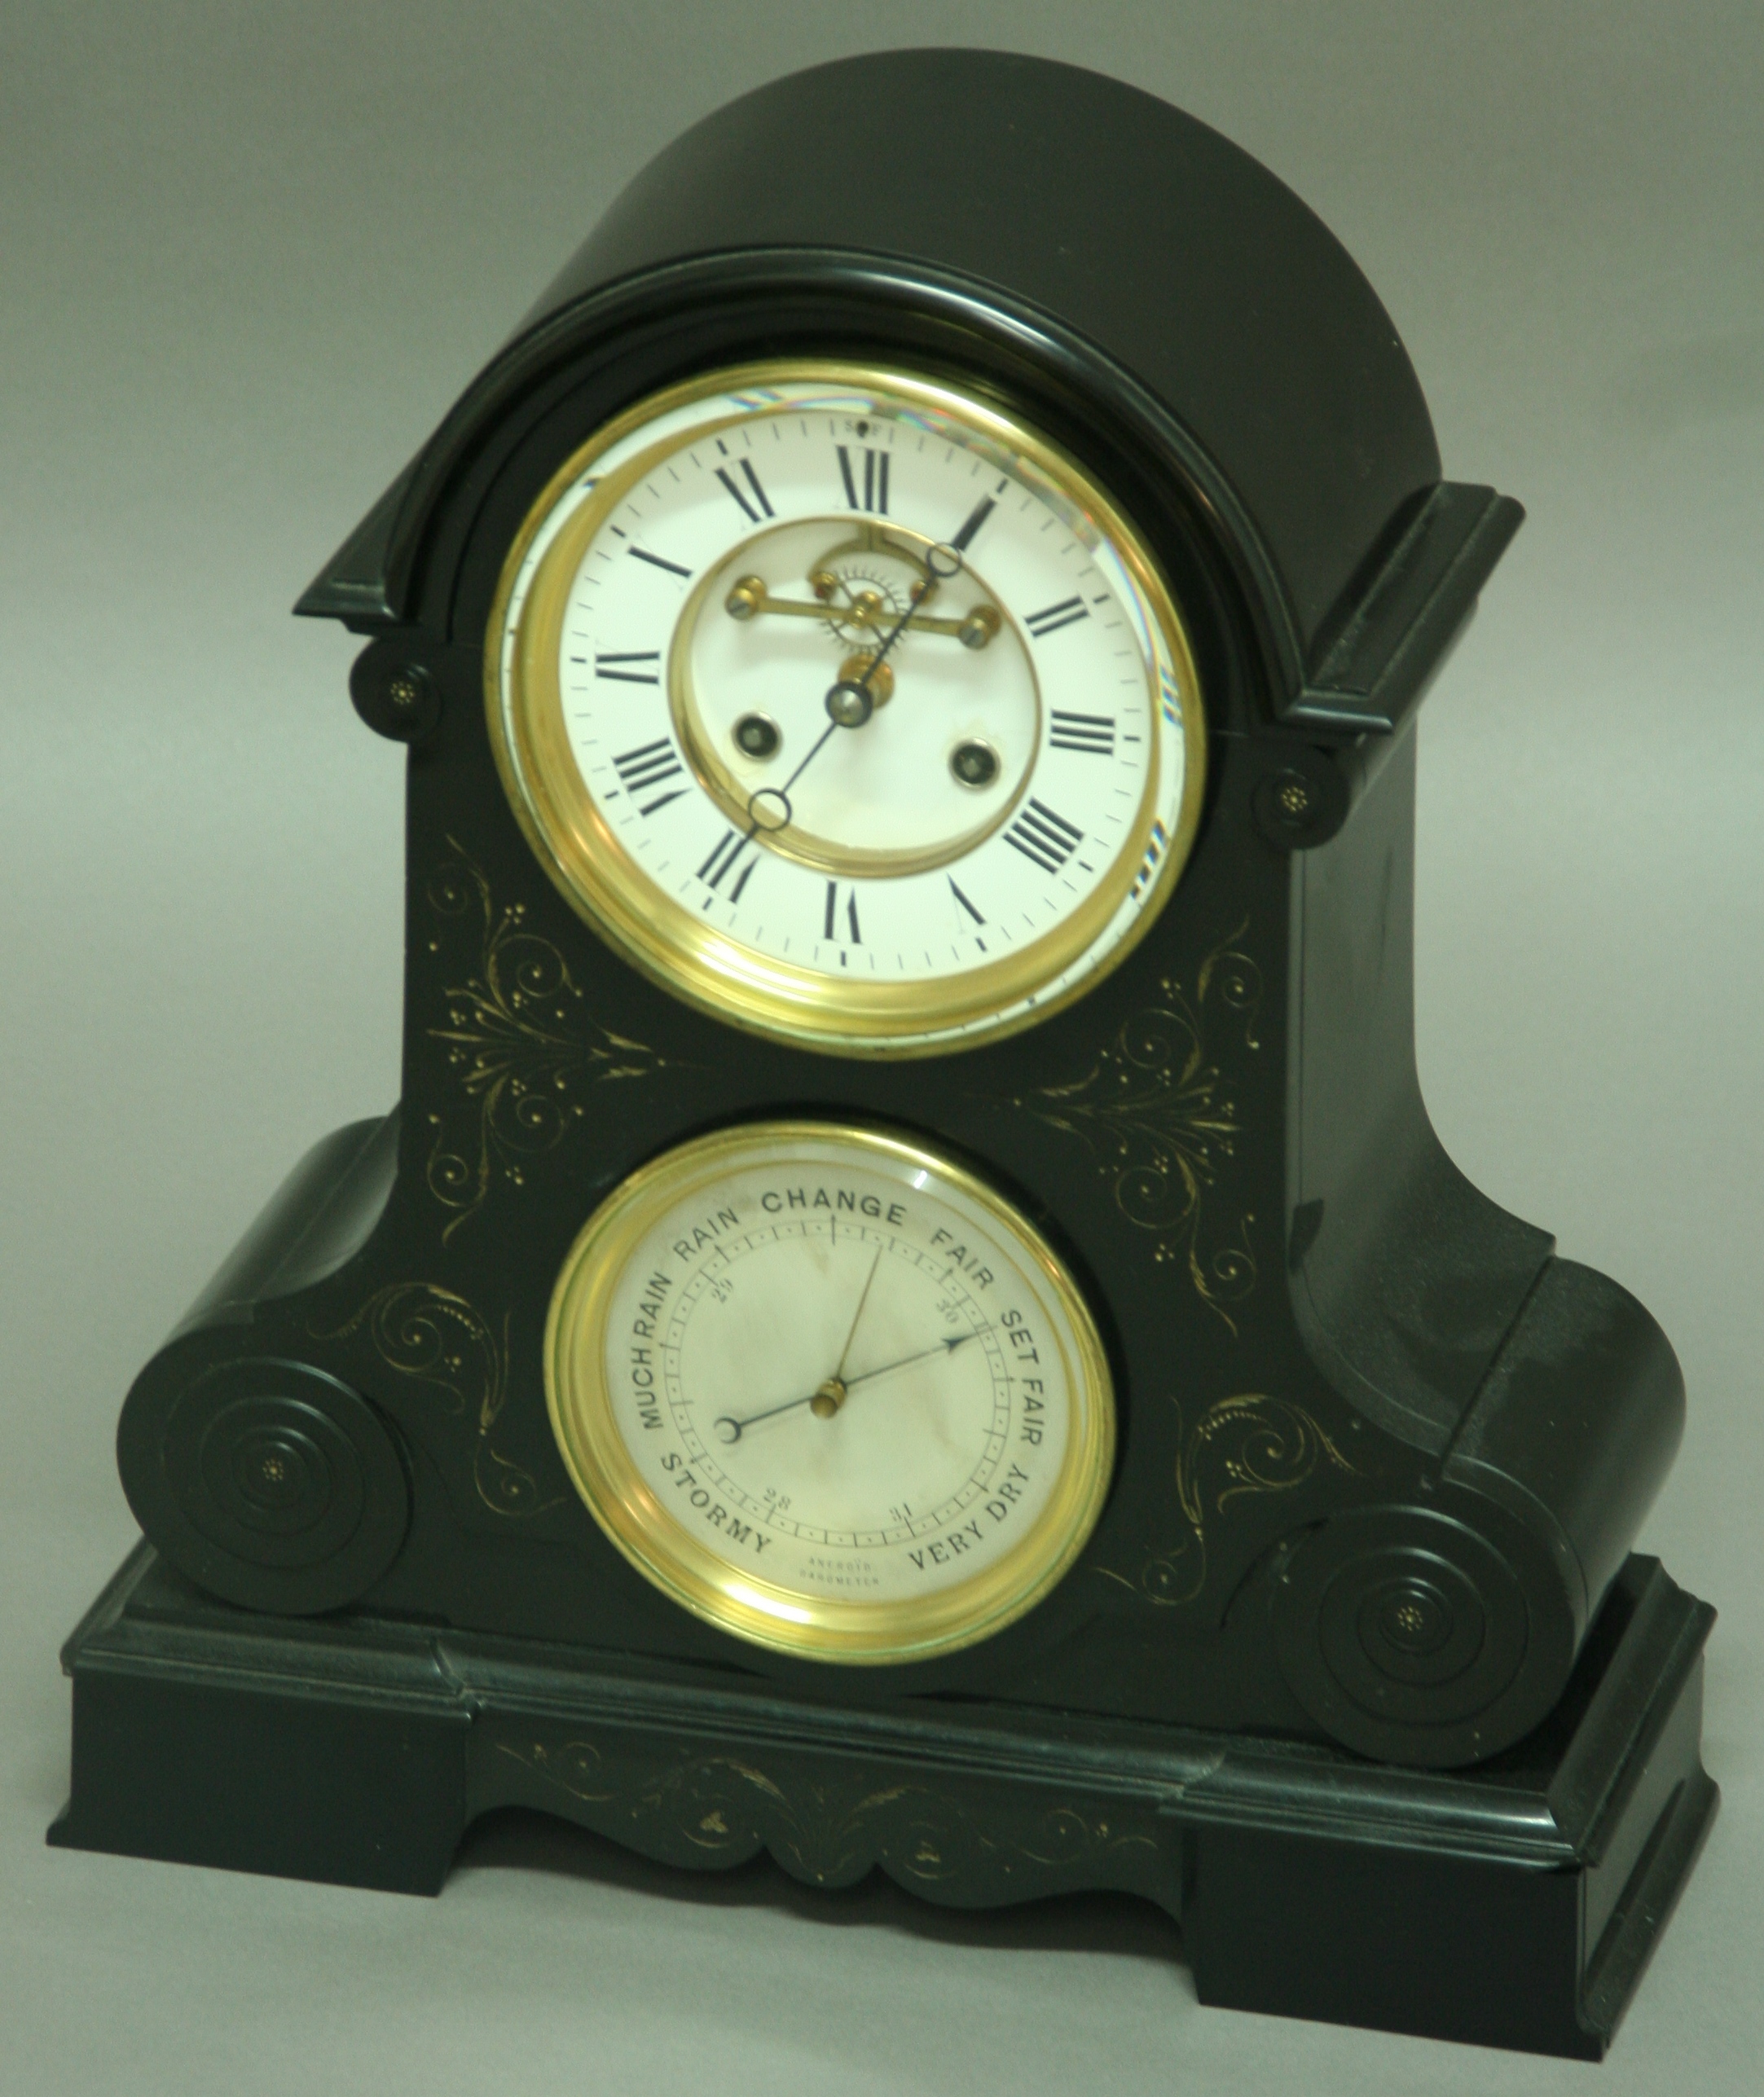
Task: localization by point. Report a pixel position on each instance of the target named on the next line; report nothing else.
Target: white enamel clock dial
(830, 1392)
(847, 706)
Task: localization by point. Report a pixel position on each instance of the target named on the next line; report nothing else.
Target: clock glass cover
(830, 1392)
(847, 706)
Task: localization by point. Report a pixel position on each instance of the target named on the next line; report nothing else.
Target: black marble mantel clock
(910, 1313)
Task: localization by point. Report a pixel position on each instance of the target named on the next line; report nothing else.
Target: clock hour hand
(826, 1398)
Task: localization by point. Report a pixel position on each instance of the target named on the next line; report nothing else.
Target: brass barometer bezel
(828, 1011)
(716, 1586)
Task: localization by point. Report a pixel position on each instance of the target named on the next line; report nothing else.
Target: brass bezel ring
(825, 1011)
(679, 1561)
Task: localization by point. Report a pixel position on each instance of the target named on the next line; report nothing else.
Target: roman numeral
(648, 766)
(1066, 613)
(655, 560)
(752, 515)
(1040, 834)
(628, 668)
(831, 928)
(723, 856)
(962, 900)
(875, 496)
(1148, 866)
(1091, 732)
(976, 517)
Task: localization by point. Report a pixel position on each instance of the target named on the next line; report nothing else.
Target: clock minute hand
(729, 1429)
(850, 702)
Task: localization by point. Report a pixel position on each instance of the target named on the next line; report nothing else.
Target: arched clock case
(909, 1311)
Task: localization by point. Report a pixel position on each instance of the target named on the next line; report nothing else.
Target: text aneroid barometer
(830, 1392)
(847, 706)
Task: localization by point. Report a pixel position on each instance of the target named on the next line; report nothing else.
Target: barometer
(909, 1314)
(830, 1391)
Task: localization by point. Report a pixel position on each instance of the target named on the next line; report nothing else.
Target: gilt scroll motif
(1247, 1444)
(434, 1336)
(519, 1047)
(720, 1809)
(1160, 1116)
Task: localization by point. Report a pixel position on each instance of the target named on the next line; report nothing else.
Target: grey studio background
(248, 255)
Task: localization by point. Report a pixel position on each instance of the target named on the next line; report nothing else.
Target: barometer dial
(830, 1392)
(847, 706)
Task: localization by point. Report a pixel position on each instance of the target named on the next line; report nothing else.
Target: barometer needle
(838, 1374)
(729, 1429)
